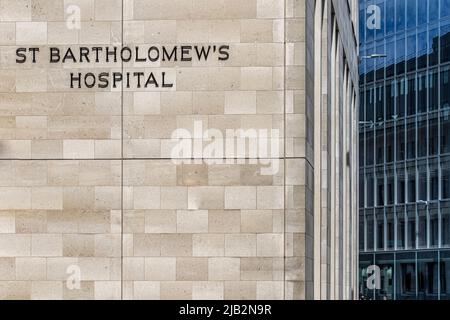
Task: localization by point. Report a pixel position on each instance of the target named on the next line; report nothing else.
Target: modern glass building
(405, 149)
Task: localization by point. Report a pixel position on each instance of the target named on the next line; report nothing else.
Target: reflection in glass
(401, 227)
(386, 264)
(411, 226)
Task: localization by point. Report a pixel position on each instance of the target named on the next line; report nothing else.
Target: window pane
(380, 229)
(422, 227)
(445, 88)
(401, 227)
(361, 230)
(411, 139)
(390, 141)
(445, 43)
(433, 47)
(370, 181)
(445, 226)
(434, 179)
(433, 90)
(379, 102)
(411, 54)
(400, 14)
(370, 231)
(411, 170)
(401, 184)
(406, 276)
(390, 228)
(411, 96)
(400, 142)
(445, 8)
(428, 275)
(411, 224)
(386, 264)
(433, 134)
(422, 131)
(400, 101)
(380, 187)
(423, 180)
(422, 8)
(400, 58)
(445, 275)
(380, 146)
(445, 131)
(422, 93)
(445, 172)
(411, 13)
(370, 144)
(434, 226)
(422, 49)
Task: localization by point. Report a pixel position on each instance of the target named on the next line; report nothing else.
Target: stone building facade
(227, 177)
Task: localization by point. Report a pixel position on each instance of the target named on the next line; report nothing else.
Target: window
(390, 228)
(411, 96)
(445, 43)
(380, 229)
(422, 227)
(422, 8)
(406, 276)
(427, 275)
(422, 131)
(361, 230)
(401, 227)
(411, 171)
(445, 88)
(370, 231)
(433, 90)
(400, 142)
(434, 179)
(433, 47)
(411, 231)
(390, 141)
(445, 131)
(411, 14)
(434, 226)
(445, 181)
(380, 102)
(380, 187)
(400, 14)
(411, 139)
(390, 100)
(445, 8)
(380, 146)
(401, 90)
(422, 93)
(422, 49)
(370, 185)
(423, 180)
(411, 55)
(401, 184)
(445, 226)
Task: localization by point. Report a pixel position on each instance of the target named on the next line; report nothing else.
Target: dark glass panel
(379, 98)
(390, 141)
(445, 88)
(445, 131)
(422, 49)
(400, 141)
(361, 230)
(411, 226)
(434, 179)
(401, 93)
(390, 228)
(361, 190)
(411, 171)
(434, 225)
(411, 139)
(370, 144)
(370, 104)
(445, 180)
(401, 184)
(390, 17)
(401, 227)
(380, 229)
(445, 275)
(405, 276)
(370, 186)
(380, 186)
(433, 90)
(433, 134)
(370, 230)
(422, 93)
(400, 59)
(411, 96)
(380, 146)
(428, 275)
(423, 180)
(390, 100)
(445, 226)
(422, 233)
(361, 149)
(411, 53)
(422, 130)
(433, 8)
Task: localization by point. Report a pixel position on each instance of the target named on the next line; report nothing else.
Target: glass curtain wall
(405, 148)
